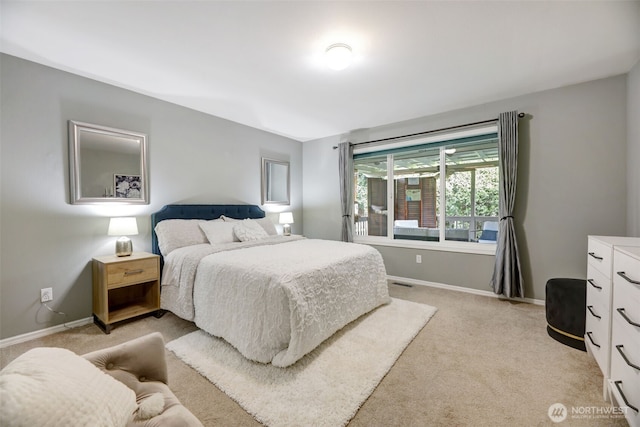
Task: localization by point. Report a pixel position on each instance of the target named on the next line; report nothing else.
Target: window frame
(432, 141)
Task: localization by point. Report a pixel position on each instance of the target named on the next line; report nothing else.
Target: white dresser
(600, 291)
(624, 382)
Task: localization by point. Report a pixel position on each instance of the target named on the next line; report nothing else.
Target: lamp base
(286, 230)
(124, 247)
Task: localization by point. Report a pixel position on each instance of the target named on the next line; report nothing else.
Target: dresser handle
(593, 284)
(593, 254)
(591, 339)
(617, 383)
(620, 347)
(590, 308)
(623, 314)
(625, 277)
(131, 272)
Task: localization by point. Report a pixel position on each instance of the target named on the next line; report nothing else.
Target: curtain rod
(520, 115)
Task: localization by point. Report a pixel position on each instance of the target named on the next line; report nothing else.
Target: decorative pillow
(177, 233)
(218, 231)
(48, 383)
(249, 229)
(265, 223)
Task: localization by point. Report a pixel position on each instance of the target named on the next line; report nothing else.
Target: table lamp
(286, 219)
(123, 226)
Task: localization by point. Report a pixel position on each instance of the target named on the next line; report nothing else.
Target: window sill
(449, 246)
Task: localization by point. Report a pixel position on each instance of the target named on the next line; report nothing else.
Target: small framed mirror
(107, 165)
(275, 182)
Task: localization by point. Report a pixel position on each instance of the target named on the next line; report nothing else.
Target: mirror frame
(266, 179)
(75, 194)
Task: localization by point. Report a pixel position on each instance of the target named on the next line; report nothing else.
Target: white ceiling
(260, 62)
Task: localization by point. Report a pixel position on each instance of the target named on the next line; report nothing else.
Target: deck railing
(473, 224)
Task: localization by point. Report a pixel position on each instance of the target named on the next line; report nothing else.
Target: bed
(274, 298)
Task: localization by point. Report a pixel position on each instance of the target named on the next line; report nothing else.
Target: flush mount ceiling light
(338, 56)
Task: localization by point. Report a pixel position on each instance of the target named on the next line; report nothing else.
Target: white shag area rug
(324, 388)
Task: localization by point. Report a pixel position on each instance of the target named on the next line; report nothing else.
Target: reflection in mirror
(275, 182)
(107, 165)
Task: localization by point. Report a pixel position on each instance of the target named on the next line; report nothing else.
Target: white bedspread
(181, 265)
(277, 302)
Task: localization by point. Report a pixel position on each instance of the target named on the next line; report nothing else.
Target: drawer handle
(627, 278)
(132, 272)
(591, 339)
(617, 383)
(593, 254)
(623, 314)
(619, 347)
(593, 284)
(590, 308)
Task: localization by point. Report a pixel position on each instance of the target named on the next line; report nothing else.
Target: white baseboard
(58, 328)
(460, 289)
(44, 332)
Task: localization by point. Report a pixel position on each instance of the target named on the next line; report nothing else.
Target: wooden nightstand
(125, 287)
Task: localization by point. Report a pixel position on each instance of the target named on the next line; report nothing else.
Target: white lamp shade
(286, 218)
(123, 226)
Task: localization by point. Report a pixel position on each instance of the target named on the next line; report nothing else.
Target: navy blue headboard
(200, 212)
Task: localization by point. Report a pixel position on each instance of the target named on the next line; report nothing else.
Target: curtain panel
(346, 189)
(507, 274)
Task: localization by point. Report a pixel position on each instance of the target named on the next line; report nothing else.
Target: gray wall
(45, 241)
(571, 183)
(633, 157)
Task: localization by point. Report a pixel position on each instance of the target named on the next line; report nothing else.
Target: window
(441, 191)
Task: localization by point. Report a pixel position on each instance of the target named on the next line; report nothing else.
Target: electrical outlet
(46, 294)
(419, 259)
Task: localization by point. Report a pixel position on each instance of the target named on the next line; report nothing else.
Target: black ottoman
(566, 301)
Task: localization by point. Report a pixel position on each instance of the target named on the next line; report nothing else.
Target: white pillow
(49, 384)
(177, 233)
(249, 229)
(265, 223)
(218, 231)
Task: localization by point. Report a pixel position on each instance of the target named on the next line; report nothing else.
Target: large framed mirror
(107, 165)
(275, 182)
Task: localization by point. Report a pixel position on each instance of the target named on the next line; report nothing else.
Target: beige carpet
(323, 389)
(479, 362)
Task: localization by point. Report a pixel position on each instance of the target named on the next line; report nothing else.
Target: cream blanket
(277, 302)
(181, 265)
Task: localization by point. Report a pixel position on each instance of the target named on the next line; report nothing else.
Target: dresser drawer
(599, 256)
(628, 336)
(134, 271)
(617, 389)
(625, 380)
(626, 275)
(598, 288)
(597, 339)
(627, 299)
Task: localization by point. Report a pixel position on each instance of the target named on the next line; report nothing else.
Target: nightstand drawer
(134, 271)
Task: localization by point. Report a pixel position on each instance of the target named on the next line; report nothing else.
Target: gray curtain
(346, 189)
(507, 274)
